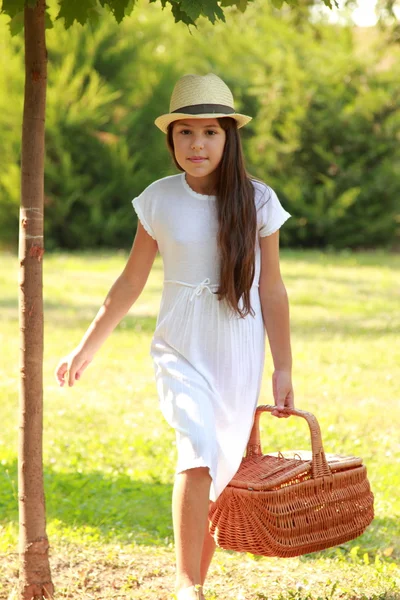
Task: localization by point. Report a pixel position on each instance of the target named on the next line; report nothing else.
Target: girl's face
(199, 146)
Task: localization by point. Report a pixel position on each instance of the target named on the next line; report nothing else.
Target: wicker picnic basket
(293, 503)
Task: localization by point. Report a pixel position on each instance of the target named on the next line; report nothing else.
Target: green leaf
(130, 7)
(277, 3)
(119, 8)
(213, 16)
(180, 15)
(49, 22)
(13, 7)
(192, 8)
(242, 5)
(76, 10)
(188, 11)
(228, 2)
(16, 24)
(239, 3)
(213, 12)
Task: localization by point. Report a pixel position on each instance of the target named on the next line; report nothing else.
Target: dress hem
(195, 464)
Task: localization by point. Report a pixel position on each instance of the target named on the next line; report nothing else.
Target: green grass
(109, 457)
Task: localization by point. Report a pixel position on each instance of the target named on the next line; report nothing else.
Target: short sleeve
(144, 207)
(271, 214)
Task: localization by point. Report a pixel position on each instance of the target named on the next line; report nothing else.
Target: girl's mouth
(197, 159)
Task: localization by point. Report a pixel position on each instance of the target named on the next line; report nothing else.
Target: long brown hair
(237, 220)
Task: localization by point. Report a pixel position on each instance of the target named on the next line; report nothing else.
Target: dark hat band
(199, 109)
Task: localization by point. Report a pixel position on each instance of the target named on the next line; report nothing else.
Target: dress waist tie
(197, 288)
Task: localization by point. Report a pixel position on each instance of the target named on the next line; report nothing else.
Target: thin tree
(33, 17)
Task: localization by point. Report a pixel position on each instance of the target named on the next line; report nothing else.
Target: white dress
(208, 361)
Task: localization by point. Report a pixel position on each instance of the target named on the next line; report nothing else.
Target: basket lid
(337, 462)
(278, 469)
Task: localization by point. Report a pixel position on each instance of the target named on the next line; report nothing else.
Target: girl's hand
(283, 392)
(71, 367)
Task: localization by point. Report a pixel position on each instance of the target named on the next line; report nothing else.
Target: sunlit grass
(109, 457)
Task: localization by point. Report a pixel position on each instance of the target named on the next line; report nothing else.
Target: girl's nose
(197, 144)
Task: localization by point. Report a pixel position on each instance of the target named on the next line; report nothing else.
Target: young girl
(217, 232)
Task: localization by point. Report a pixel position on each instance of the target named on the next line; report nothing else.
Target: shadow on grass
(116, 508)
(380, 539)
(97, 507)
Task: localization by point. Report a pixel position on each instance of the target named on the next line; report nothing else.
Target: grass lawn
(109, 457)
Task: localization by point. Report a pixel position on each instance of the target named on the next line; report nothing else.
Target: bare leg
(208, 552)
(190, 511)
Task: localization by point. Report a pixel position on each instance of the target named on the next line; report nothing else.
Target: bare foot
(194, 592)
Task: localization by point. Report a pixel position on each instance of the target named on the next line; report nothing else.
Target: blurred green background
(325, 135)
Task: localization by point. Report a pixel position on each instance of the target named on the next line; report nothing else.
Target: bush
(11, 99)
(325, 131)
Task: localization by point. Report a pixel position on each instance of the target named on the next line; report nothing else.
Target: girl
(217, 232)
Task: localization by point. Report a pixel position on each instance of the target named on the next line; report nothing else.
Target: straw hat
(200, 97)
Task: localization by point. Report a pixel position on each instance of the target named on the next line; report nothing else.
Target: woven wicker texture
(287, 506)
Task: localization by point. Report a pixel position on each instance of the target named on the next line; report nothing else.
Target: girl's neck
(202, 185)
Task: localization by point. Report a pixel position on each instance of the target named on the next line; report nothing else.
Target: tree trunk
(35, 577)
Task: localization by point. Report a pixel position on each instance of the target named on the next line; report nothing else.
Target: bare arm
(275, 310)
(124, 292)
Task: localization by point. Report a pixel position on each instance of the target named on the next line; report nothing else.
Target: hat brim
(163, 121)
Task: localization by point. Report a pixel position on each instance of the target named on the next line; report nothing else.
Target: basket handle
(319, 464)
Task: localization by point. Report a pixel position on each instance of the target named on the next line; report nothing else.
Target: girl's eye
(209, 132)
